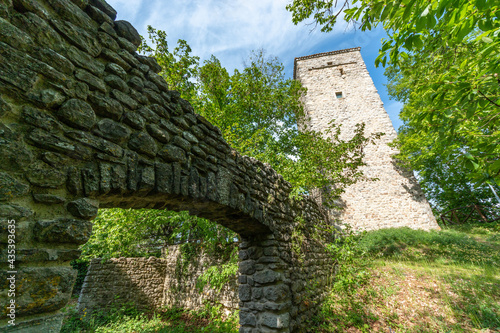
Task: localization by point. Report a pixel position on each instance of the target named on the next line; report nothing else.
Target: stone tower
(339, 87)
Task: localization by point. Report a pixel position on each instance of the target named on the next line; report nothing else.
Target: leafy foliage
(258, 112)
(217, 276)
(179, 68)
(351, 263)
(447, 246)
(450, 133)
(126, 318)
(444, 59)
(144, 232)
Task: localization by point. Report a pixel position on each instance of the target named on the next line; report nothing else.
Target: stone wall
(138, 281)
(340, 88)
(180, 287)
(86, 122)
(152, 283)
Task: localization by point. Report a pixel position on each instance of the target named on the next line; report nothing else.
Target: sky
(231, 29)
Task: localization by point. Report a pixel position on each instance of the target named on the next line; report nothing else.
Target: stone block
(105, 7)
(75, 14)
(158, 133)
(46, 140)
(134, 120)
(125, 99)
(127, 31)
(13, 36)
(78, 36)
(32, 6)
(83, 208)
(113, 131)
(143, 143)
(43, 175)
(276, 293)
(63, 230)
(38, 289)
(98, 15)
(91, 181)
(116, 82)
(147, 180)
(171, 153)
(272, 320)
(245, 292)
(11, 188)
(77, 113)
(164, 178)
(97, 143)
(49, 199)
(247, 267)
(93, 81)
(266, 276)
(15, 212)
(247, 319)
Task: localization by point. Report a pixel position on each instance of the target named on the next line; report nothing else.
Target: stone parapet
(86, 122)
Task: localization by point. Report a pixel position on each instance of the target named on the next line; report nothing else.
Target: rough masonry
(86, 122)
(153, 283)
(340, 88)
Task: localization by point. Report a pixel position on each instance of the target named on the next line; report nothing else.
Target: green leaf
(487, 39)
(408, 10)
(385, 13)
(426, 10)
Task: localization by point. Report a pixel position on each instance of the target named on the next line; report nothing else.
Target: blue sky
(230, 29)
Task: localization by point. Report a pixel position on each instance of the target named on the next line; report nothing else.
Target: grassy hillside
(392, 280)
(444, 281)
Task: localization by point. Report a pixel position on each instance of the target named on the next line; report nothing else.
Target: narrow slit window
(339, 95)
(329, 63)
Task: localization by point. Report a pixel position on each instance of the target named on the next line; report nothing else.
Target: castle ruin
(340, 88)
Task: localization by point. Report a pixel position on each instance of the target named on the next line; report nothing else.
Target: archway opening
(157, 261)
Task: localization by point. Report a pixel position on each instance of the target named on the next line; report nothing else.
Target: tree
(258, 110)
(179, 68)
(144, 232)
(444, 58)
(445, 146)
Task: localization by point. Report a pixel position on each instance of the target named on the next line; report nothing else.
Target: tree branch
(489, 100)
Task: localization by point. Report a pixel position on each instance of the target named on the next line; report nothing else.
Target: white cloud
(228, 29)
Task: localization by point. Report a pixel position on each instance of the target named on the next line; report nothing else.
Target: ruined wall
(123, 280)
(86, 122)
(180, 287)
(152, 283)
(339, 87)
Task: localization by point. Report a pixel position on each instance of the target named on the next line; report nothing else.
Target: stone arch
(86, 122)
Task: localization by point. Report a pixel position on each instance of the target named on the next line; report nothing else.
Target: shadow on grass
(477, 298)
(446, 246)
(346, 311)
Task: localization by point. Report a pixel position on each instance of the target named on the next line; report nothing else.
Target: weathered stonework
(340, 88)
(86, 122)
(153, 283)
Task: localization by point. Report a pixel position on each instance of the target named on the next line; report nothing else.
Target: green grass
(394, 280)
(439, 281)
(126, 319)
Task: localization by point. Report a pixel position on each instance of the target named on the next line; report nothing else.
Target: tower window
(329, 63)
(338, 94)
